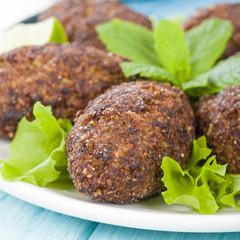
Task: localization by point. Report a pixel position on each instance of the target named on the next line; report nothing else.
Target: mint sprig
(128, 40)
(203, 185)
(184, 57)
(207, 43)
(146, 70)
(172, 50)
(225, 73)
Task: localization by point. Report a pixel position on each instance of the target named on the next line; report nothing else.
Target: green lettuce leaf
(225, 73)
(177, 19)
(207, 43)
(128, 40)
(146, 70)
(199, 151)
(181, 190)
(188, 187)
(203, 184)
(37, 153)
(172, 50)
(229, 191)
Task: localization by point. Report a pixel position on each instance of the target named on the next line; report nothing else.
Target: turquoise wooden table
(20, 220)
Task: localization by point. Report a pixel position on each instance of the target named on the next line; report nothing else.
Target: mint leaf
(37, 153)
(200, 86)
(145, 70)
(207, 43)
(171, 47)
(225, 73)
(128, 40)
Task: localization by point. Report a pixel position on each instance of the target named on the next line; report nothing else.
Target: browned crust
(65, 77)
(230, 11)
(116, 146)
(79, 18)
(218, 118)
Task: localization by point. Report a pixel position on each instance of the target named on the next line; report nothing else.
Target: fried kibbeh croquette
(116, 146)
(65, 77)
(79, 18)
(229, 11)
(218, 118)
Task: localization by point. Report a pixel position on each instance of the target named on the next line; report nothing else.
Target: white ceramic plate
(151, 214)
(22, 10)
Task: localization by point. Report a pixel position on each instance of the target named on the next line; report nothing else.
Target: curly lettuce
(203, 185)
(37, 153)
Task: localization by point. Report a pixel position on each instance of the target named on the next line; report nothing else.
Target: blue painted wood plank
(21, 220)
(109, 232)
(163, 8)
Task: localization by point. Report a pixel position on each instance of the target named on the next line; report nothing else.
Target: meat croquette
(229, 11)
(65, 77)
(79, 18)
(218, 118)
(116, 146)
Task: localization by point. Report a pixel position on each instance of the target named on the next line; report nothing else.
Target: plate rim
(120, 216)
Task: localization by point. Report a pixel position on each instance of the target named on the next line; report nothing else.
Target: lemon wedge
(47, 31)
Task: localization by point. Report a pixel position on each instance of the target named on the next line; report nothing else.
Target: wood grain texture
(21, 220)
(109, 232)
